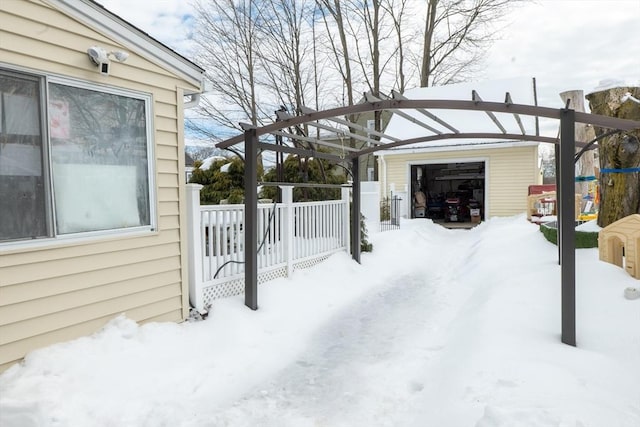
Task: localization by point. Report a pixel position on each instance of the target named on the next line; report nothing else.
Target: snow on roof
(521, 90)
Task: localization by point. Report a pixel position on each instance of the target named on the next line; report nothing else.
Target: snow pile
(436, 327)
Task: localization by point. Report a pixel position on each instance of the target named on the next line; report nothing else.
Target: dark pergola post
(355, 210)
(556, 151)
(566, 225)
(250, 219)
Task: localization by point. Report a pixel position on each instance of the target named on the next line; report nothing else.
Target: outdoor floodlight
(100, 57)
(119, 55)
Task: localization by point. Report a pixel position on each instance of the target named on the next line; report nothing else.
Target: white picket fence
(290, 236)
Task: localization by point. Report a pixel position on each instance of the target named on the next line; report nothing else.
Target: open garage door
(451, 192)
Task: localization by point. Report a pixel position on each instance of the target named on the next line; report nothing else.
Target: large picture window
(97, 146)
(98, 160)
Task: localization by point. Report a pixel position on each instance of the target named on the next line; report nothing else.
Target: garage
(452, 192)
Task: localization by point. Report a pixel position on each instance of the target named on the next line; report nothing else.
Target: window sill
(23, 246)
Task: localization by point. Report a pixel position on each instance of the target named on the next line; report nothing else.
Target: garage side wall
(509, 172)
(63, 290)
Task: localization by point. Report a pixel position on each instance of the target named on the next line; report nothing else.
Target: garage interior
(449, 193)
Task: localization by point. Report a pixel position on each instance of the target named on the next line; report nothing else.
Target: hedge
(584, 239)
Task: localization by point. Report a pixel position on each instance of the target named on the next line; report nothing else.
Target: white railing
(290, 236)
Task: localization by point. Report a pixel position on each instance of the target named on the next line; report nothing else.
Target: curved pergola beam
(471, 135)
(437, 104)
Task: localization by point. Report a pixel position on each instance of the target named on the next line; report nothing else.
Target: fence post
(346, 218)
(250, 219)
(288, 218)
(194, 245)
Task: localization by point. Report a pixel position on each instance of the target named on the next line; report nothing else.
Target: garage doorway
(452, 193)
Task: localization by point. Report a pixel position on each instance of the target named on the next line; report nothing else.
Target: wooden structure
(619, 244)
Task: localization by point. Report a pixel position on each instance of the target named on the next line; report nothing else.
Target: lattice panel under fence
(236, 286)
(272, 275)
(309, 262)
(223, 290)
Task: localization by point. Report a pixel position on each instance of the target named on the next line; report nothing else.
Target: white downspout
(193, 102)
(383, 166)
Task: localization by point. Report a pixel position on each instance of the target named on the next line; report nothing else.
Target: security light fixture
(100, 57)
(119, 55)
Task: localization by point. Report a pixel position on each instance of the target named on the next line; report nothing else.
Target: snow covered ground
(436, 327)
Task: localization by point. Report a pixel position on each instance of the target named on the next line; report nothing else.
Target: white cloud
(169, 21)
(569, 45)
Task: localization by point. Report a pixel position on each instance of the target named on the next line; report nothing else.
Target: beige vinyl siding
(51, 287)
(509, 171)
(14, 351)
(60, 290)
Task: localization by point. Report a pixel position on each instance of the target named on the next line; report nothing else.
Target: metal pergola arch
(565, 179)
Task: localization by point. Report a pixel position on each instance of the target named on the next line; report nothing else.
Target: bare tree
(365, 39)
(258, 52)
(335, 21)
(201, 153)
(287, 53)
(286, 56)
(265, 55)
(397, 12)
(456, 35)
(380, 28)
(226, 35)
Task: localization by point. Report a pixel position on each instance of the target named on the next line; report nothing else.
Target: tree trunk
(583, 133)
(619, 189)
(430, 22)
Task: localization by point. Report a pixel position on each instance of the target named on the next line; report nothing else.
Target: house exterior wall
(509, 171)
(58, 290)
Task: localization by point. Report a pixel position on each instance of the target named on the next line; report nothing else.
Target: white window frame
(54, 238)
